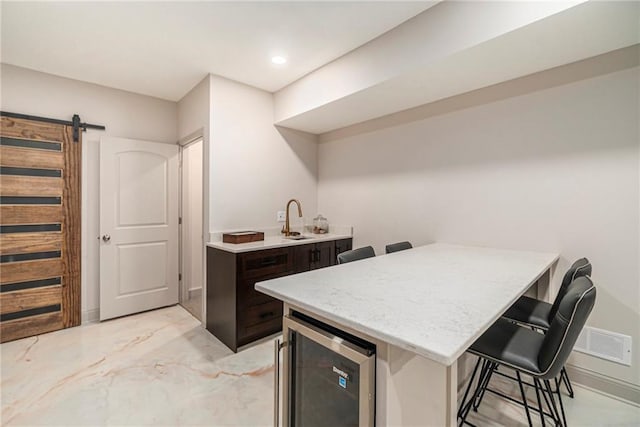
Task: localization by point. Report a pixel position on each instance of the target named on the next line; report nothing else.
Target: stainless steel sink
(299, 237)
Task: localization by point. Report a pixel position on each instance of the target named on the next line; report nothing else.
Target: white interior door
(138, 226)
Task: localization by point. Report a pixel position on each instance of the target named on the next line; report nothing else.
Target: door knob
(106, 238)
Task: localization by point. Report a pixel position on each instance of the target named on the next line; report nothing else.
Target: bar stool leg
(546, 400)
(535, 383)
(467, 408)
(567, 383)
(556, 413)
(524, 399)
(484, 371)
(564, 418)
(491, 368)
(466, 392)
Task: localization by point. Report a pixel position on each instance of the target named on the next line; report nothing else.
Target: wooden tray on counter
(243, 237)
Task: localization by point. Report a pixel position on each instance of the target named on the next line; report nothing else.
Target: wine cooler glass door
(330, 381)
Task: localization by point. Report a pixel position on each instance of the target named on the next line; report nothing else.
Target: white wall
(552, 170)
(124, 114)
(254, 167)
(194, 111)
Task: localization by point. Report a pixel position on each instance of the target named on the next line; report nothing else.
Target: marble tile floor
(161, 368)
(156, 368)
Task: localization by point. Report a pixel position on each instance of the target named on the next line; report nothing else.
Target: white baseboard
(612, 387)
(90, 316)
(195, 292)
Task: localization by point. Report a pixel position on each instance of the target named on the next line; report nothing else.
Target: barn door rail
(74, 122)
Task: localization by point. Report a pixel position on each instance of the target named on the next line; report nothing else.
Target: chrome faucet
(286, 229)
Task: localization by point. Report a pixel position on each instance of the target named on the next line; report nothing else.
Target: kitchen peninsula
(421, 308)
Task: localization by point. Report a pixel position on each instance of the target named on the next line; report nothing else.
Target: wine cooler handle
(276, 383)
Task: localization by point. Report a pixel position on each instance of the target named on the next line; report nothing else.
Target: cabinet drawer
(263, 263)
(259, 313)
(259, 321)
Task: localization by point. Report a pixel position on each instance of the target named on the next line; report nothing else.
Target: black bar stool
(538, 314)
(526, 351)
(356, 255)
(397, 247)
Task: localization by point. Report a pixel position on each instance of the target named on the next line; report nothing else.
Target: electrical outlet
(281, 216)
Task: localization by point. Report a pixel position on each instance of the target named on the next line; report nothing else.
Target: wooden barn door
(39, 228)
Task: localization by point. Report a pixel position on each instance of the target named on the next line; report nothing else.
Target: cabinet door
(303, 257)
(324, 255)
(343, 245)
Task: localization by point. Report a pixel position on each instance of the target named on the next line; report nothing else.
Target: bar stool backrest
(581, 267)
(356, 254)
(572, 314)
(397, 247)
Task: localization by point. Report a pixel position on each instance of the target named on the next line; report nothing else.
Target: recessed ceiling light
(279, 60)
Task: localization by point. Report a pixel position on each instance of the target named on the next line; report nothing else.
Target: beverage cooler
(328, 376)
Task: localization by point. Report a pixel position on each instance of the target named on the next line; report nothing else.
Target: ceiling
(163, 49)
(442, 53)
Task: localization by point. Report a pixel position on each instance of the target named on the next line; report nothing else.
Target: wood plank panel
(12, 185)
(31, 158)
(67, 295)
(10, 302)
(21, 243)
(71, 226)
(29, 326)
(12, 272)
(31, 129)
(30, 214)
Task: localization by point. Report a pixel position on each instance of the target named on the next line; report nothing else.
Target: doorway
(191, 229)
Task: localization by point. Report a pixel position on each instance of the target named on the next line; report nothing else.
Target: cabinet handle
(268, 261)
(267, 314)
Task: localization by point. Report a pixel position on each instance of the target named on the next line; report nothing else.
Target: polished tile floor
(155, 368)
(161, 368)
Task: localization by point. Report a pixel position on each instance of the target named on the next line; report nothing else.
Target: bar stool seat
(539, 314)
(356, 255)
(530, 311)
(397, 247)
(510, 344)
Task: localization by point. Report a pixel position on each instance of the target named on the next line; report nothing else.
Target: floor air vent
(605, 345)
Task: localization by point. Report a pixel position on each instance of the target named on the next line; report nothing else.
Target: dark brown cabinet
(343, 245)
(237, 314)
(314, 256)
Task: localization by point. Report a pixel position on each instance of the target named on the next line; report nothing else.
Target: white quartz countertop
(434, 300)
(276, 242)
